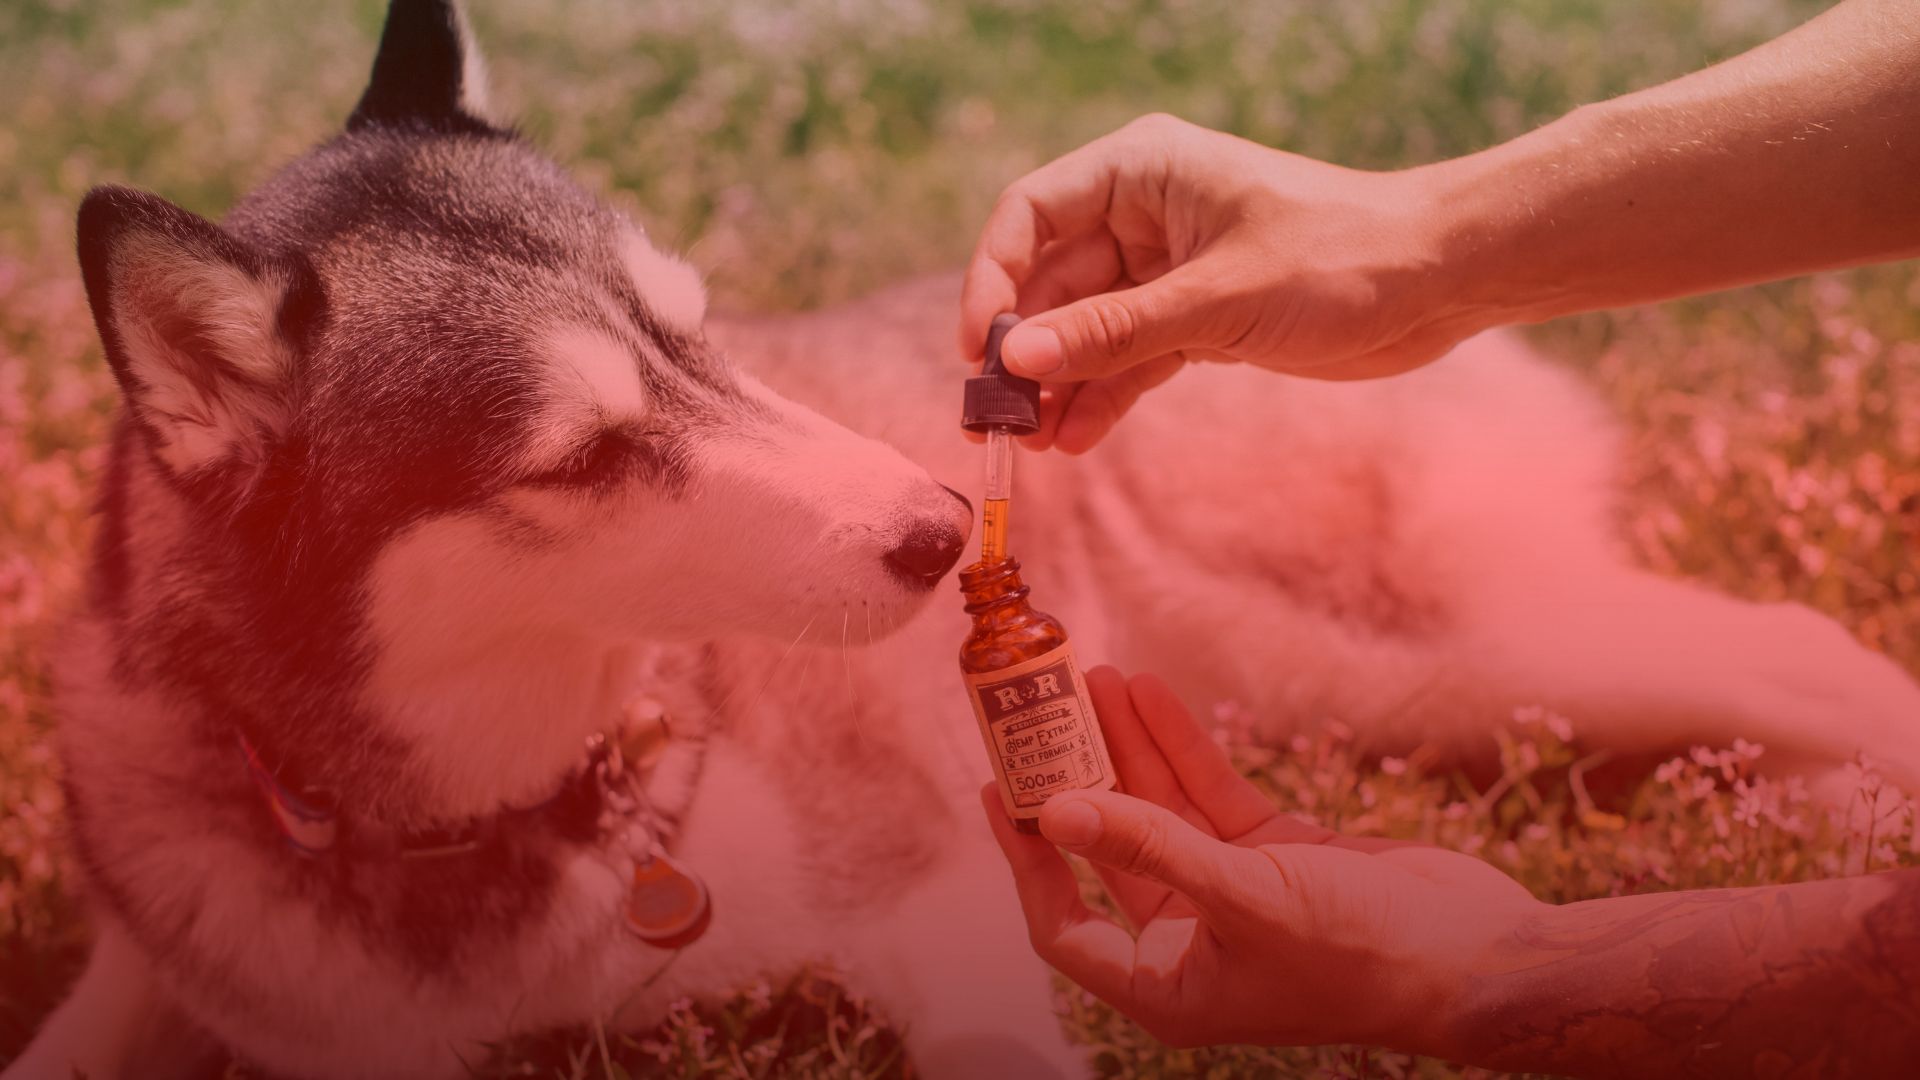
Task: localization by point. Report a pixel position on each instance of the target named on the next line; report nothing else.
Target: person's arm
(1815, 979)
(1245, 925)
(1164, 243)
(1800, 155)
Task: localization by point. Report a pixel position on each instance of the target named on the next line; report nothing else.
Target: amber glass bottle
(1027, 692)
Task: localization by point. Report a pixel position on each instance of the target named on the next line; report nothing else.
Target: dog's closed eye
(598, 462)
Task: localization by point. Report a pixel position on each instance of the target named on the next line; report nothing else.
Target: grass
(803, 152)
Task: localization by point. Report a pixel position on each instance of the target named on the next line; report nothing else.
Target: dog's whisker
(846, 659)
(718, 708)
(778, 665)
(804, 672)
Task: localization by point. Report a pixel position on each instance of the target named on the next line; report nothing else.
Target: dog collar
(667, 906)
(307, 824)
(314, 825)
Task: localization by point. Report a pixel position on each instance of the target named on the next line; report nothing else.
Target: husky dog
(431, 465)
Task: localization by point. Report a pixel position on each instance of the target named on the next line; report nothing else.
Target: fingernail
(1033, 350)
(1071, 823)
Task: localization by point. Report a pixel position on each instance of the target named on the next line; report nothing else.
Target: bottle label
(1040, 729)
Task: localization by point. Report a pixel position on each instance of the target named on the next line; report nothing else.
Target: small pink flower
(1561, 727)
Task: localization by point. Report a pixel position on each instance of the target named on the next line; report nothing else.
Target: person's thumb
(1133, 836)
(1110, 332)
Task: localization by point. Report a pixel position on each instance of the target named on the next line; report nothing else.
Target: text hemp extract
(1036, 718)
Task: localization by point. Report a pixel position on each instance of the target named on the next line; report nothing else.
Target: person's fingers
(1110, 332)
(1072, 269)
(985, 291)
(1374, 845)
(1067, 271)
(1143, 771)
(1076, 416)
(1055, 398)
(1092, 951)
(1048, 891)
(1207, 776)
(1132, 836)
(1059, 201)
(1089, 415)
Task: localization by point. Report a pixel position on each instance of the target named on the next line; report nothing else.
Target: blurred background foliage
(803, 152)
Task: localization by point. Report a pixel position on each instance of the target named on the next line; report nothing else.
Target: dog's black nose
(927, 553)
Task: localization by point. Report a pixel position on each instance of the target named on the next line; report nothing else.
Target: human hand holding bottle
(1246, 925)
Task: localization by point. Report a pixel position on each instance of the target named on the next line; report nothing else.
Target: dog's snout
(926, 554)
(964, 501)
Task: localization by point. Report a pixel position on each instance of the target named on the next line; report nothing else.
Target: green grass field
(803, 152)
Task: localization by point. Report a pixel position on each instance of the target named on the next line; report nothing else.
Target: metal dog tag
(668, 906)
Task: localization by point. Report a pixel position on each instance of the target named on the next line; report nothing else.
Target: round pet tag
(668, 906)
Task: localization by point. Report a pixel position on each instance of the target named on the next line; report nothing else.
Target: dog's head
(422, 368)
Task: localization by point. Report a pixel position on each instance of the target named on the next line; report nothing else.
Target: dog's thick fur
(429, 463)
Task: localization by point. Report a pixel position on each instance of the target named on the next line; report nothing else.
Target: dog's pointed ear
(202, 334)
(428, 73)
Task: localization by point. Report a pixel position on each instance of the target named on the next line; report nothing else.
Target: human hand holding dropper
(1164, 243)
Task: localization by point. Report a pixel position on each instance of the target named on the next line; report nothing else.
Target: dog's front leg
(115, 1023)
(951, 964)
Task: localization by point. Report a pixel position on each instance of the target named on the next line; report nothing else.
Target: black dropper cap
(995, 398)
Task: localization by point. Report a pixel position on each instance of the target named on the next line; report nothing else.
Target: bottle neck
(1006, 628)
(993, 590)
